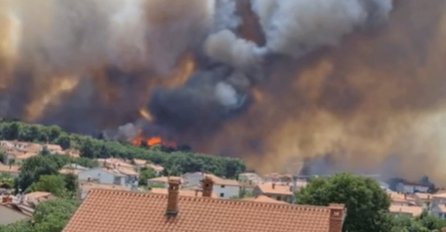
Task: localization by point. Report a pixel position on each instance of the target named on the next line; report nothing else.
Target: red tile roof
(276, 189)
(120, 211)
(263, 198)
(220, 181)
(413, 211)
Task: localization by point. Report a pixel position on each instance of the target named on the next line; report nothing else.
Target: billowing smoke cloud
(277, 82)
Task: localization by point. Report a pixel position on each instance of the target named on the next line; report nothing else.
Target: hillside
(174, 162)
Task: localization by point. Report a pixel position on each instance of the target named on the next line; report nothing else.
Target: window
(117, 180)
(222, 195)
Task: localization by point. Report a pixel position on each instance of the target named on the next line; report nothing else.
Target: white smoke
(226, 94)
(225, 47)
(296, 27)
(293, 28)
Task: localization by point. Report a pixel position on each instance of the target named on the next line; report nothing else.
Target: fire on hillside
(140, 140)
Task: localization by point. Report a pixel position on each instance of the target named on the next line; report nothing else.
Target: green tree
(407, 224)
(145, 174)
(6, 181)
(366, 202)
(21, 226)
(431, 222)
(63, 140)
(52, 216)
(37, 166)
(54, 184)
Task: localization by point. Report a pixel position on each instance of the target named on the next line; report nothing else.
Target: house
(438, 204)
(423, 199)
(121, 211)
(16, 152)
(115, 163)
(72, 153)
(157, 168)
(12, 170)
(72, 169)
(34, 198)
(263, 198)
(412, 188)
(104, 176)
(85, 187)
(278, 178)
(439, 211)
(249, 180)
(401, 199)
(183, 192)
(276, 191)
(192, 179)
(54, 148)
(225, 188)
(404, 210)
(162, 181)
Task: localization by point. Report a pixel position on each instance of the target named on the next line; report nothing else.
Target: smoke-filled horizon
(274, 82)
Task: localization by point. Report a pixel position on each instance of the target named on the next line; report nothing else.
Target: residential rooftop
(123, 211)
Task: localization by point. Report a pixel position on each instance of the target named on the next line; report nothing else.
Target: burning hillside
(272, 81)
(140, 140)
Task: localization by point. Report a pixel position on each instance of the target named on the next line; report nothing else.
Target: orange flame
(138, 140)
(154, 141)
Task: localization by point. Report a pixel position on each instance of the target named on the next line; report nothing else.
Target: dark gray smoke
(292, 28)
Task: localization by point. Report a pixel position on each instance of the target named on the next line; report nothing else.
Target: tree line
(174, 162)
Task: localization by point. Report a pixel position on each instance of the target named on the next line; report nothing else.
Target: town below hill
(46, 173)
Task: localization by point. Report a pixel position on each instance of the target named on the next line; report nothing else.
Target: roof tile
(120, 211)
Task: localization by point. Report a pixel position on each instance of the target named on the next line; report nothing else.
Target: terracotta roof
(442, 208)
(87, 186)
(140, 162)
(439, 195)
(70, 171)
(22, 155)
(164, 179)
(220, 181)
(127, 171)
(156, 167)
(401, 198)
(37, 197)
(54, 148)
(9, 169)
(73, 153)
(277, 189)
(183, 192)
(423, 196)
(113, 162)
(263, 198)
(120, 211)
(414, 211)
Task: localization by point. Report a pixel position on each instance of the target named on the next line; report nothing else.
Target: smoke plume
(275, 82)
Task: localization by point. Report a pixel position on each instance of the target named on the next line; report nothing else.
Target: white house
(225, 188)
(103, 176)
(222, 188)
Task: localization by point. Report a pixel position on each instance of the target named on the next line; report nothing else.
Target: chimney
(172, 197)
(337, 216)
(208, 185)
